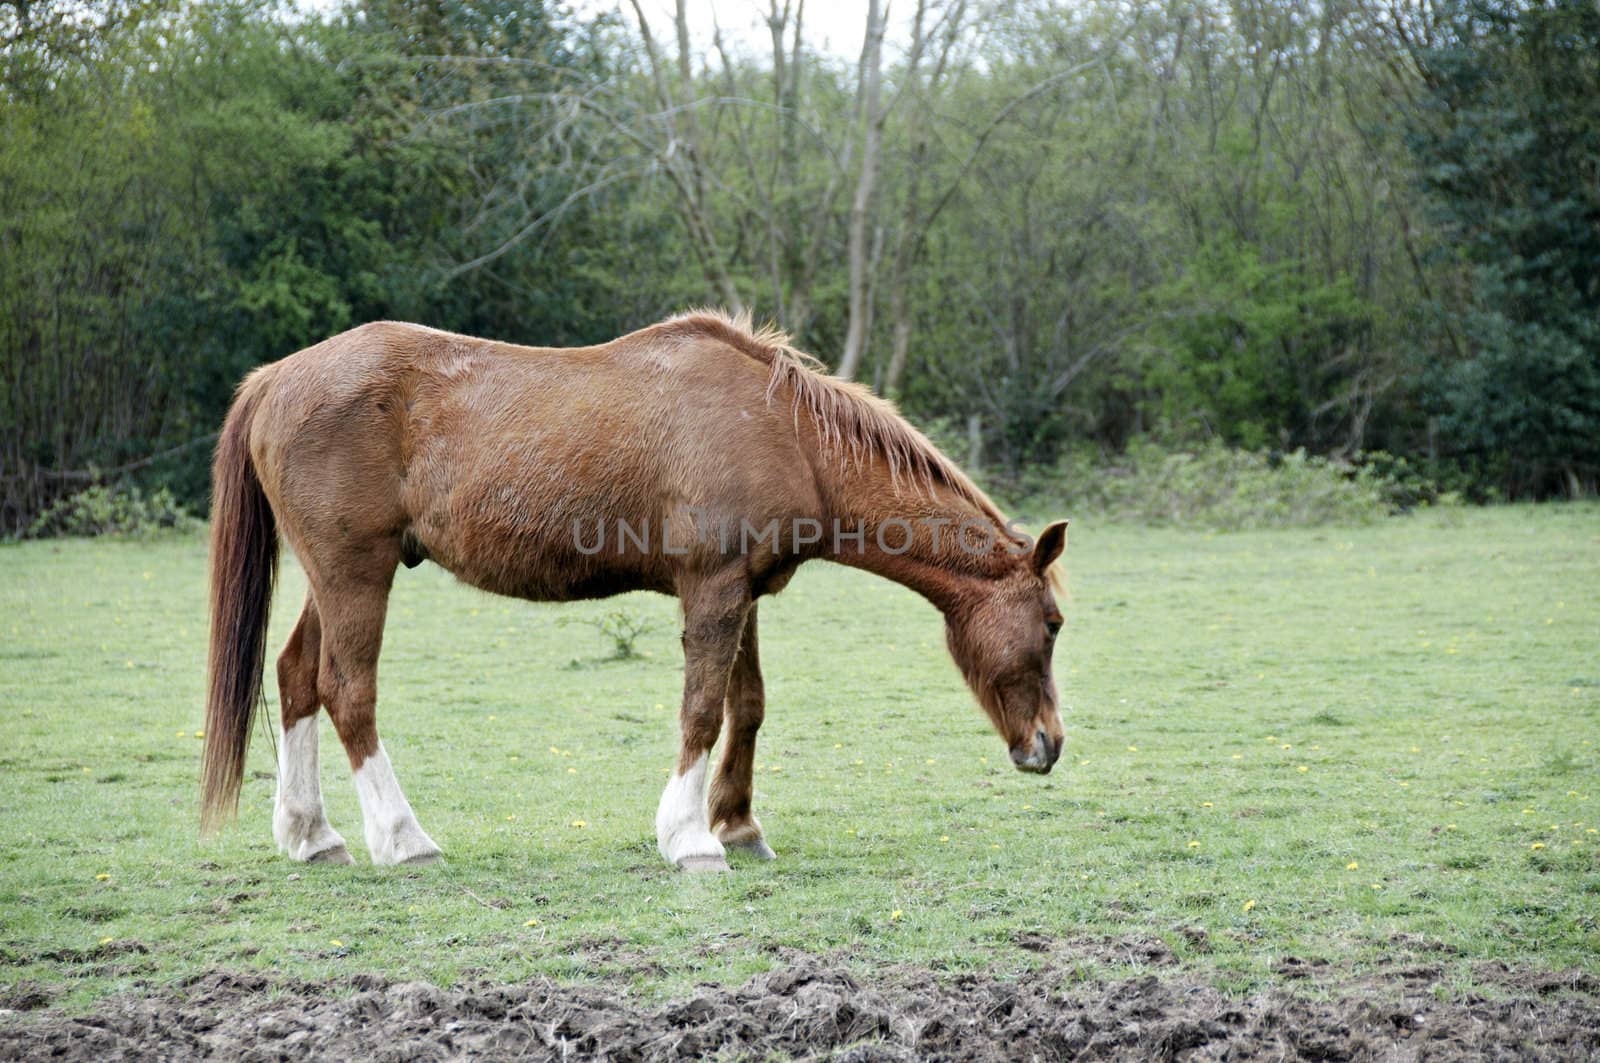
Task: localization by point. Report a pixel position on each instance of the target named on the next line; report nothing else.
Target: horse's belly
(522, 543)
(553, 577)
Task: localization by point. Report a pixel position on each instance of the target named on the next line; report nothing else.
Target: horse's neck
(927, 537)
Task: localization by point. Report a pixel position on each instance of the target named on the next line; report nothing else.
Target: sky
(832, 27)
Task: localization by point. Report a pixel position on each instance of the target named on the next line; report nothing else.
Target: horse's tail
(244, 564)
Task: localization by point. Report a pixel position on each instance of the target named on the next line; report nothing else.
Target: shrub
(622, 628)
(1406, 484)
(1226, 490)
(120, 509)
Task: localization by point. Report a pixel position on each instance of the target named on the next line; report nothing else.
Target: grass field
(1340, 744)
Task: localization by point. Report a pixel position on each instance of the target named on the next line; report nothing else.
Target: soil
(813, 1009)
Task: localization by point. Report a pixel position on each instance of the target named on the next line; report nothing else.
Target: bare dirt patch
(810, 1009)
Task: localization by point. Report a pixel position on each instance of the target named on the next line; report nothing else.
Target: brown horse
(696, 458)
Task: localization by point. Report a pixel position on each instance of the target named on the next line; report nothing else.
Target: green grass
(1247, 714)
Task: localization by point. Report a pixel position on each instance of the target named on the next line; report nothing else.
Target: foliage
(209, 187)
(1244, 346)
(1189, 238)
(1407, 485)
(1426, 727)
(119, 509)
(1219, 488)
(1286, 225)
(623, 627)
(1508, 135)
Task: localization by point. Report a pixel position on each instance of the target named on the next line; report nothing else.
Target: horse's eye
(1054, 627)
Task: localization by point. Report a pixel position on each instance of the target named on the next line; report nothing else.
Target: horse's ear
(1051, 542)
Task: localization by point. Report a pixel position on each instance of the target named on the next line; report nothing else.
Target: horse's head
(1003, 640)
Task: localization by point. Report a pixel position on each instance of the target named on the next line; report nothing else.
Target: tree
(1507, 134)
(871, 116)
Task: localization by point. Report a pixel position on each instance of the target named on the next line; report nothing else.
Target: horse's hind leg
(298, 821)
(730, 814)
(352, 610)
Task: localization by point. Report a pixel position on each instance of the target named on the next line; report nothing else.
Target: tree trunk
(685, 165)
(872, 116)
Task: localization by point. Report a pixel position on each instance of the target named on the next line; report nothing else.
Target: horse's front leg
(714, 610)
(731, 818)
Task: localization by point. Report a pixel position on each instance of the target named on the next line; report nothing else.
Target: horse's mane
(851, 420)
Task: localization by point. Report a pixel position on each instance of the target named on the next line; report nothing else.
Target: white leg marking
(393, 834)
(682, 832)
(298, 821)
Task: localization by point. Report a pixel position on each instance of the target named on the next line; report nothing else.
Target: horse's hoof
(703, 863)
(338, 854)
(756, 847)
(423, 859)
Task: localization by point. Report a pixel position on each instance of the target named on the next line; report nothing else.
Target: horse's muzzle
(1038, 758)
